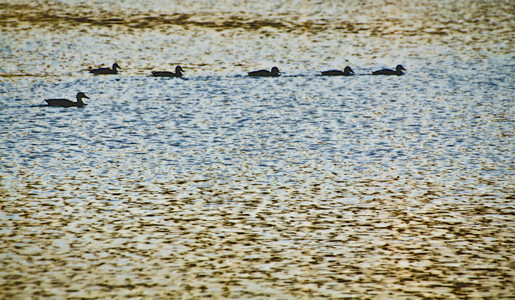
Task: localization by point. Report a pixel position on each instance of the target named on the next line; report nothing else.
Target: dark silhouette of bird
(346, 72)
(178, 73)
(398, 71)
(265, 73)
(66, 102)
(104, 71)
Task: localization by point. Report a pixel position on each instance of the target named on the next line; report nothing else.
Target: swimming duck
(346, 72)
(178, 73)
(100, 71)
(66, 102)
(398, 71)
(265, 73)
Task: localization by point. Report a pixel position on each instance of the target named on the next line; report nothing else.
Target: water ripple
(219, 185)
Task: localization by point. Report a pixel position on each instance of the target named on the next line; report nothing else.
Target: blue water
(429, 125)
(218, 184)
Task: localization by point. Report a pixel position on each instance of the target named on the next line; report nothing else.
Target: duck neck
(79, 101)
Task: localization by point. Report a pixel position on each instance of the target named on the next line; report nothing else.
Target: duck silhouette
(178, 73)
(398, 71)
(265, 73)
(66, 102)
(346, 72)
(101, 71)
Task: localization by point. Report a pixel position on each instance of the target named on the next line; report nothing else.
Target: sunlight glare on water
(222, 185)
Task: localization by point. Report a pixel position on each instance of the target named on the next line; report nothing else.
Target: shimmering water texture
(219, 185)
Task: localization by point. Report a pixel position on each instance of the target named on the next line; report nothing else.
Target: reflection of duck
(178, 73)
(265, 73)
(398, 71)
(100, 71)
(346, 72)
(66, 102)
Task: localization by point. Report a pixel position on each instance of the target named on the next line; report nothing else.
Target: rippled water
(220, 185)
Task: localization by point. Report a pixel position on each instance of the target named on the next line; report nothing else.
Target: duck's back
(103, 71)
(384, 72)
(333, 73)
(260, 73)
(60, 102)
(165, 74)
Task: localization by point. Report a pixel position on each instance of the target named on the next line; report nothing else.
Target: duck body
(178, 73)
(66, 102)
(346, 72)
(398, 71)
(105, 71)
(265, 73)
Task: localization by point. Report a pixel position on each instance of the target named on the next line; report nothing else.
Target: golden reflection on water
(476, 23)
(226, 238)
(247, 232)
(209, 38)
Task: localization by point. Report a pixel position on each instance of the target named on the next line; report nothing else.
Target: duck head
(116, 66)
(81, 95)
(275, 71)
(400, 68)
(348, 70)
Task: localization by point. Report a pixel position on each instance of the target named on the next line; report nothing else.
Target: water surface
(220, 185)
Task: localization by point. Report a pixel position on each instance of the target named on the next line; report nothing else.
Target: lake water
(224, 186)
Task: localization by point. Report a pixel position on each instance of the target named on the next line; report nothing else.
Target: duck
(265, 73)
(178, 73)
(398, 71)
(100, 71)
(66, 102)
(346, 72)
